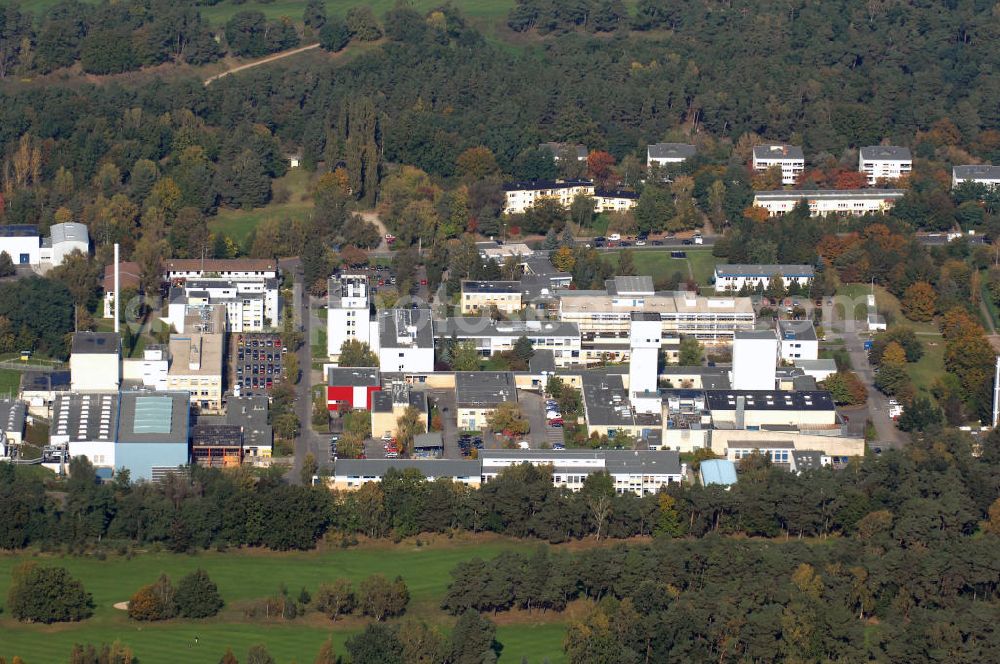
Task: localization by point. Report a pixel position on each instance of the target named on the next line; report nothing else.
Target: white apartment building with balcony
(884, 162)
(519, 197)
(827, 201)
(789, 157)
(348, 312)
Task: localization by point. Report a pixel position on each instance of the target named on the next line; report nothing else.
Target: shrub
(47, 595)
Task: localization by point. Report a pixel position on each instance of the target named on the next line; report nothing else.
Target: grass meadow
(243, 576)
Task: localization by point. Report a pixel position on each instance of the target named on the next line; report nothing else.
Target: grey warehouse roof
(886, 152)
(86, 416)
(250, 413)
(154, 417)
(629, 285)
(13, 413)
(69, 232)
(484, 389)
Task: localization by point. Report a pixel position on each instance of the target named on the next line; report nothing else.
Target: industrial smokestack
(117, 287)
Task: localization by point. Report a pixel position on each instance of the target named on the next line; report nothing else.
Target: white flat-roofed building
(754, 409)
(789, 157)
(797, 340)
(492, 336)
(732, 278)
(251, 303)
(226, 268)
(828, 201)
(632, 471)
(352, 474)
(347, 312)
(608, 313)
(196, 358)
(519, 197)
(755, 357)
(884, 162)
(662, 154)
(477, 395)
(21, 242)
(94, 362)
(983, 174)
(405, 341)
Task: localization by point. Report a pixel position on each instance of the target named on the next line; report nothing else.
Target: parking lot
(257, 363)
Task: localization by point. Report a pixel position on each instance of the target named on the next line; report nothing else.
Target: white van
(615, 237)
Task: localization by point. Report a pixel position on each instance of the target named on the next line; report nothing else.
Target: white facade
(520, 197)
(405, 341)
(491, 337)
(63, 240)
(788, 157)
(236, 268)
(983, 174)
(828, 201)
(615, 201)
(22, 249)
(151, 370)
(645, 338)
(252, 304)
(754, 360)
(884, 162)
(732, 278)
(347, 314)
(797, 340)
(92, 369)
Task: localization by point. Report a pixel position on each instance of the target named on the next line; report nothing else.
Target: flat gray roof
(353, 376)
(398, 394)
(886, 152)
(13, 413)
(816, 365)
(427, 467)
(96, 342)
(670, 151)
(405, 328)
(778, 151)
(484, 389)
(665, 462)
(630, 285)
(807, 459)
(754, 334)
(606, 401)
(250, 413)
(429, 439)
(797, 330)
(154, 417)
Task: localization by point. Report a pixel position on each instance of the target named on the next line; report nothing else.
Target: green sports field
(657, 263)
(246, 575)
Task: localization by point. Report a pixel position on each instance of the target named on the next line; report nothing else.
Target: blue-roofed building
(718, 471)
(153, 433)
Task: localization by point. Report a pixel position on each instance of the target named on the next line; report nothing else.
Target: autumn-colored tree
(767, 180)
(476, 163)
(850, 180)
(894, 354)
(507, 417)
(599, 165)
(919, 301)
(351, 256)
(564, 259)
(756, 213)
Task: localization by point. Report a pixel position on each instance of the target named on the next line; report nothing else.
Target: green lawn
(10, 381)
(931, 365)
(657, 263)
(238, 224)
(244, 576)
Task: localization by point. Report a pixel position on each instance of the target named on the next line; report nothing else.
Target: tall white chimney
(117, 287)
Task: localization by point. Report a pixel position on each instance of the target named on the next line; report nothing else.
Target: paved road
(888, 435)
(308, 440)
(262, 61)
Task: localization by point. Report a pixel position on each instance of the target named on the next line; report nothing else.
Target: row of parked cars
(553, 417)
(467, 441)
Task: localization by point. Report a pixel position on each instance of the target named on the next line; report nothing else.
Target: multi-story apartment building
(225, 268)
(828, 201)
(348, 312)
(884, 162)
(405, 341)
(732, 278)
(197, 357)
(789, 157)
(251, 303)
(614, 200)
(519, 197)
(482, 296)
